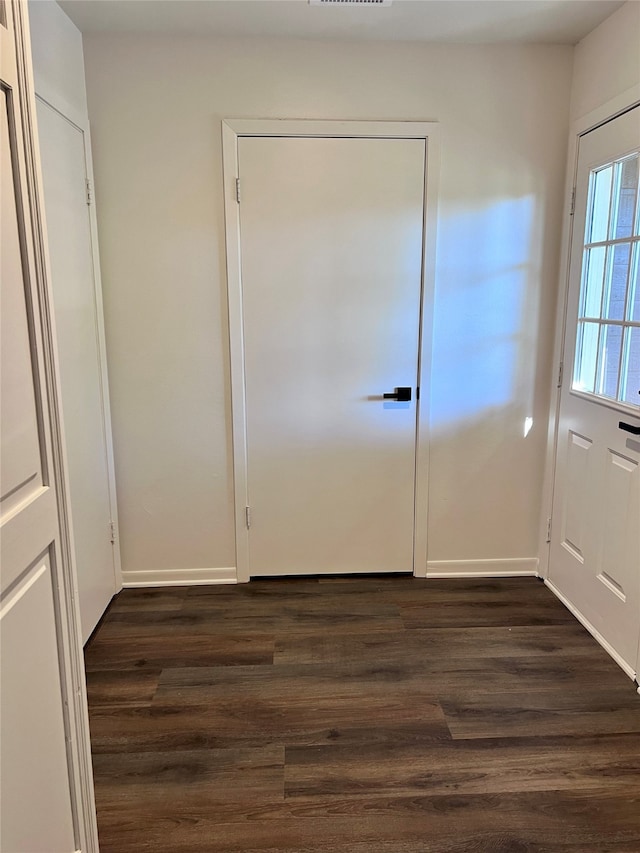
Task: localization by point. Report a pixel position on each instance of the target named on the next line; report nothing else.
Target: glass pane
(616, 281)
(633, 303)
(597, 228)
(593, 276)
(631, 370)
(609, 361)
(586, 357)
(624, 198)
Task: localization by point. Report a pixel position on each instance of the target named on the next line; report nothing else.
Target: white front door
(40, 753)
(331, 255)
(64, 175)
(595, 543)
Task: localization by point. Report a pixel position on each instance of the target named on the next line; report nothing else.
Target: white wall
(56, 45)
(156, 105)
(607, 61)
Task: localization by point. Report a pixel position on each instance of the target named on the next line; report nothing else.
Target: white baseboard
(624, 666)
(501, 568)
(179, 577)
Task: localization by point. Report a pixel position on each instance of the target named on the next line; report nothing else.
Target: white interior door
(331, 255)
(37, 812)
(595, 543)
(64, 173)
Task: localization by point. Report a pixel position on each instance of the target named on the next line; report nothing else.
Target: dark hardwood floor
(360, 715)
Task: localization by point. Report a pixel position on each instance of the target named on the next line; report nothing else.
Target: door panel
(20, 466)
(576, 503)
(618, 571)
(595, 543)
(40, 764)
(331, 233)
(72, 275)
(34, 754)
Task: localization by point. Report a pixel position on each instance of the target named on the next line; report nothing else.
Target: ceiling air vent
(350, 2)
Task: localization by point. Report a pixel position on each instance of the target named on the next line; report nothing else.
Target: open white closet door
(78, 313)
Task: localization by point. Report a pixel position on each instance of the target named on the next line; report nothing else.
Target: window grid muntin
(633, 296)
(626, 324)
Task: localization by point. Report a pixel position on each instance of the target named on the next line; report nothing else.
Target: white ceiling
(472, 21)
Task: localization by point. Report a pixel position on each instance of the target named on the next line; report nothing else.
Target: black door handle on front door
(634, 430)
(402, 395)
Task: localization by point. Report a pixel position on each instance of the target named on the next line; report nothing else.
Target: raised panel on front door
(20, 460)
(32, 738)
(575, 517)
(619, 559)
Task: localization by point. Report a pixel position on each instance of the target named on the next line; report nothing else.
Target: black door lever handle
(634, 430)
(402, 395)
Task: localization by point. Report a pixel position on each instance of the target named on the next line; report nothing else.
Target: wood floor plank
(150, 598)
(111, 689)
(487, 766)
(403, 646)
(297, 717)
(197, 778)
(619, 806)
(248, 616)
(175, 650)
(548, 822)
(468, 614)
(591, 711)
(141, 729)
(285, 681)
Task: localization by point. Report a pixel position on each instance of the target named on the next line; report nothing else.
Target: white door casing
(45, 765)
(330, 487)
(595, 542)
(78, 309)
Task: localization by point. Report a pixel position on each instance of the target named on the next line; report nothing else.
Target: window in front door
(607, 361)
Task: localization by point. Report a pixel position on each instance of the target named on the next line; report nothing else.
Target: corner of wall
(606, 62)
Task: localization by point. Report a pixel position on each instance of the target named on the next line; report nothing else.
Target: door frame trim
(232, 129)
(580, 127)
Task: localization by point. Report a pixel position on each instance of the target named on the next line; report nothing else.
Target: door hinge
(560, 374)
(573, 202)
(247, 516)
(238, 190)
(89, 187)
(112, 532)
(549, 529)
